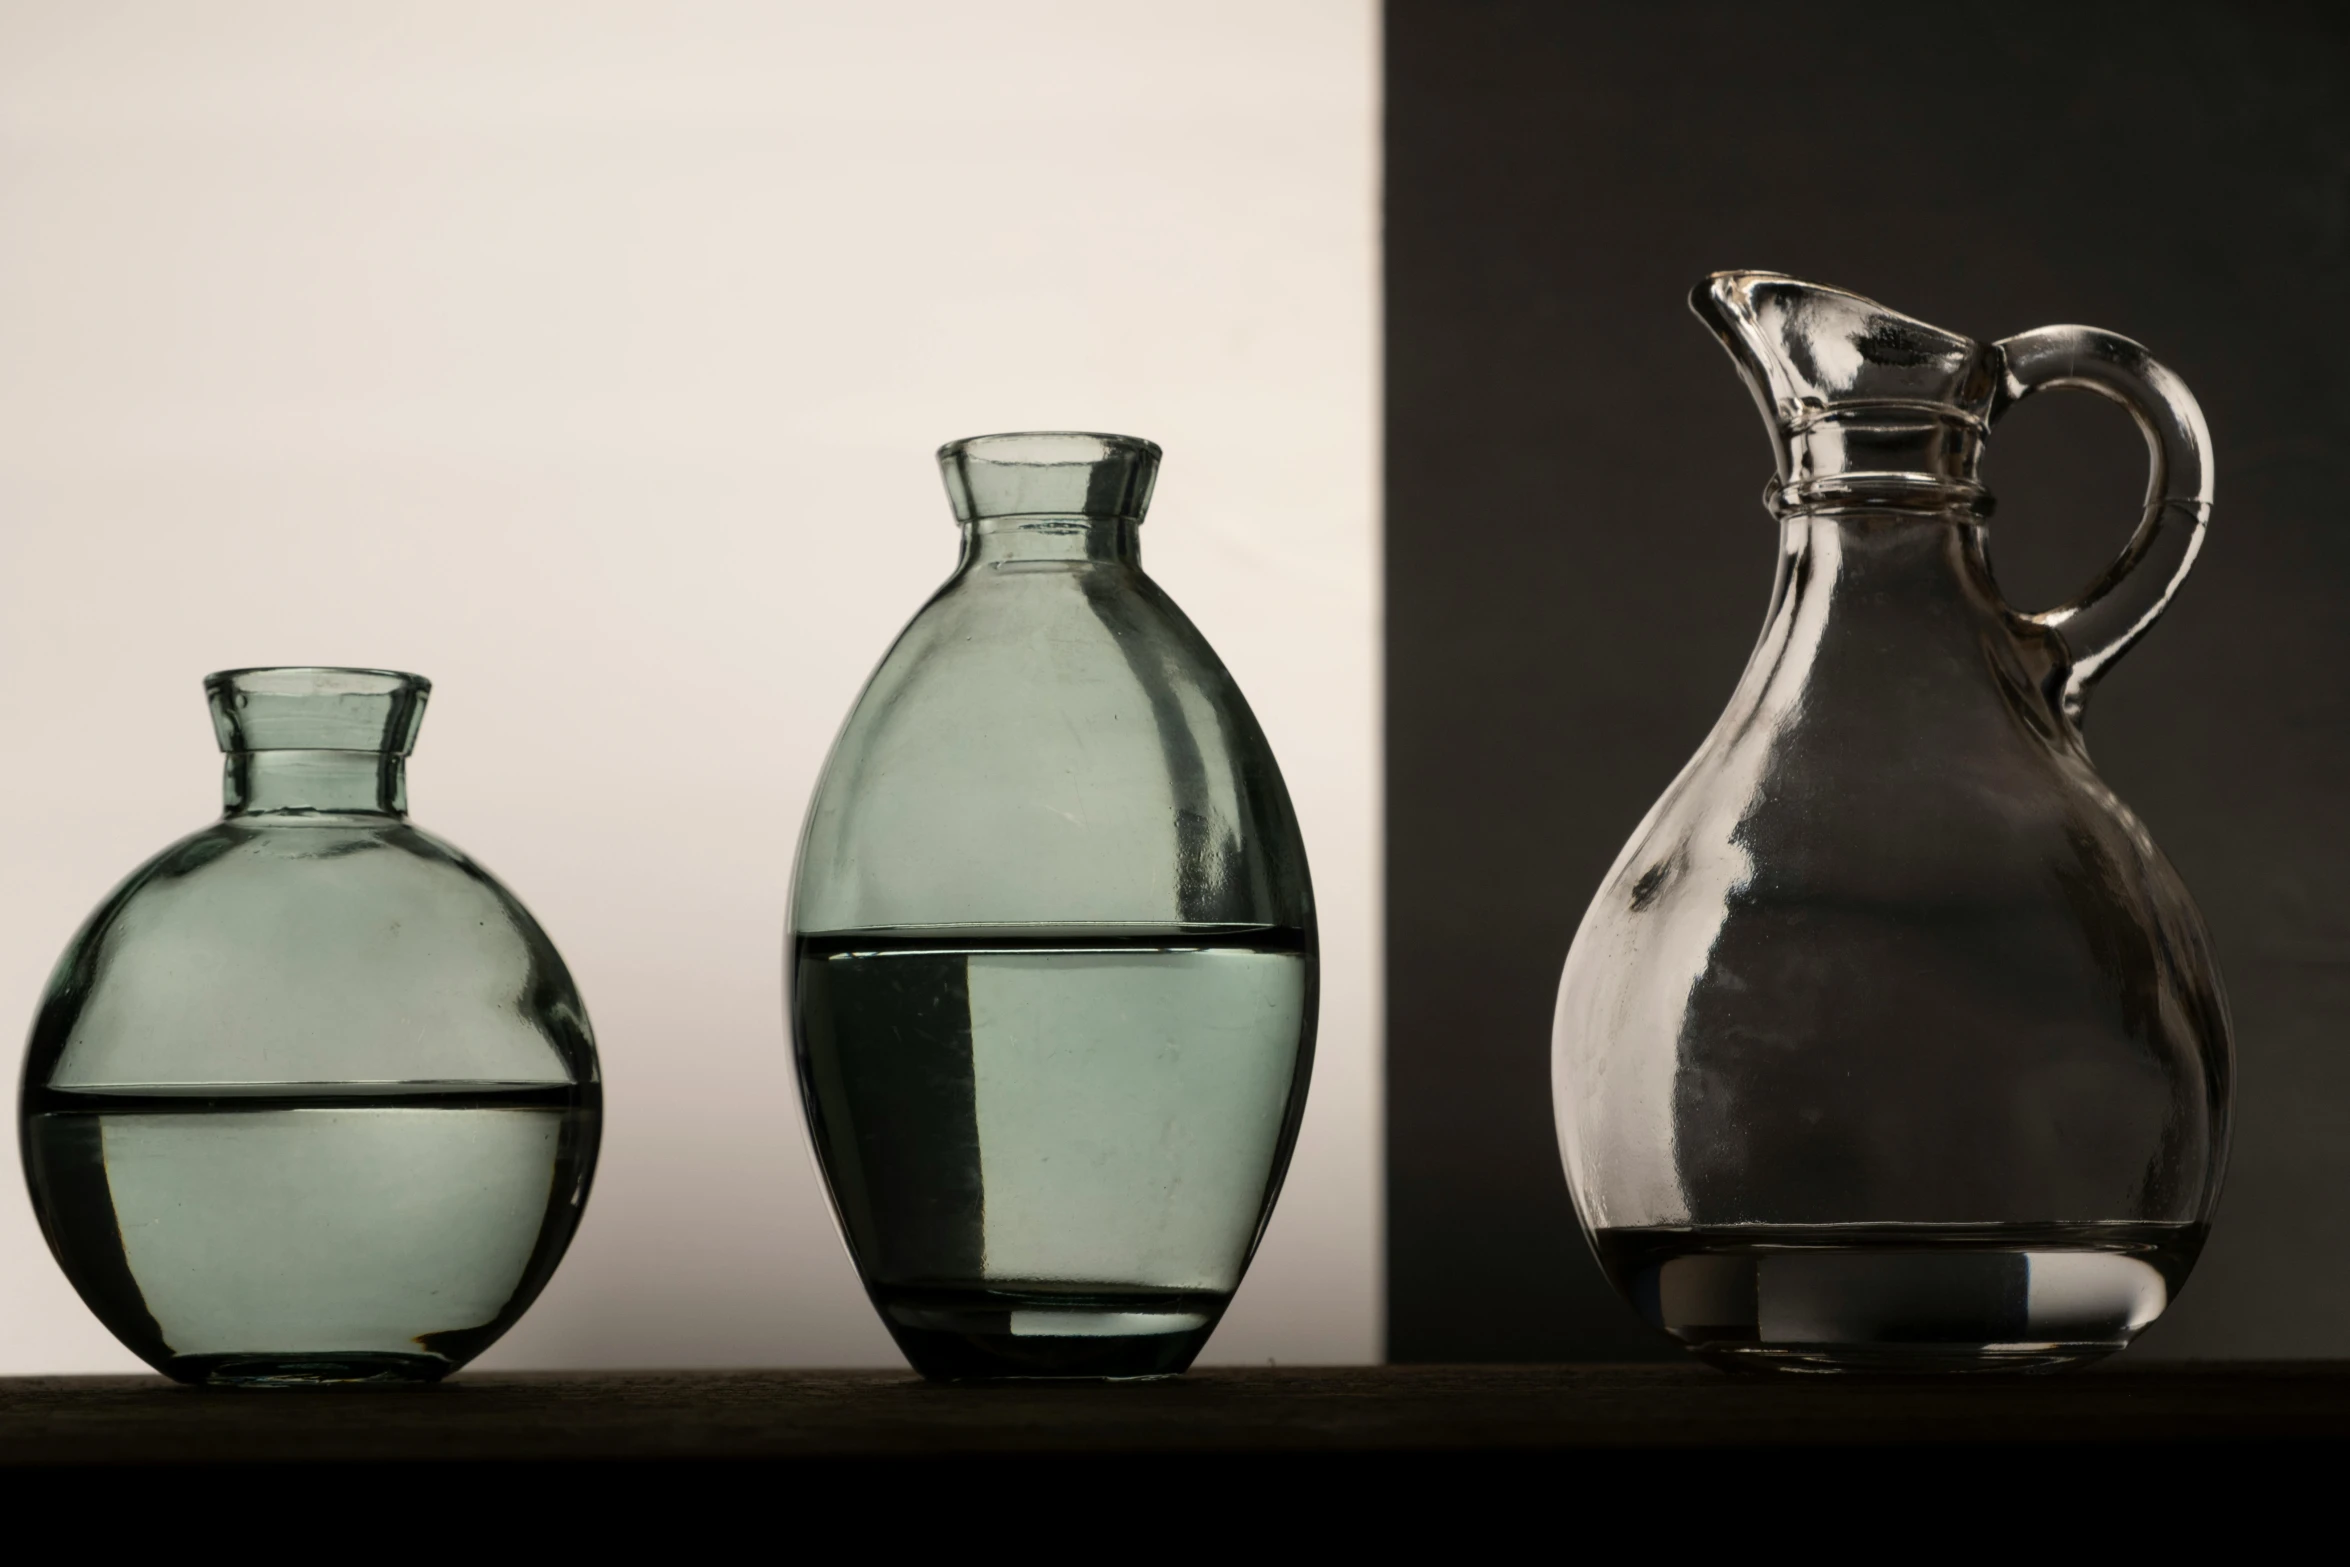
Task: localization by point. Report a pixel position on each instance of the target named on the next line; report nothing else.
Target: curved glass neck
(1894, 590)
(1047, 540)
(1882, 549)
(1895, 614)
(325, 783)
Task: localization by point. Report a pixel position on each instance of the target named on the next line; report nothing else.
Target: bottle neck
(1016, 541)
(337, 783)
(1892, 619)
(1884, 547)
(1897, 586)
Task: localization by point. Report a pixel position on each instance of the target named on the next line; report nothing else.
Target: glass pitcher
(310, 1098)
(1053, 957)
(1891, 1040)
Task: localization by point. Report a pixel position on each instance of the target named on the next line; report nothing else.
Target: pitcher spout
(1865, 405)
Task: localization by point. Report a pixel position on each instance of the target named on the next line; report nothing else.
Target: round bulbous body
(1053, 964)
(310, 1098)
(1891, 1041)
(1891, 1038)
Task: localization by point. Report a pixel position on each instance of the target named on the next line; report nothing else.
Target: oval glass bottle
(310, 1098)
(1053, 951)
(1892, 1041)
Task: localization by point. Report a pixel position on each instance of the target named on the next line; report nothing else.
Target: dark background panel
(1577, 561)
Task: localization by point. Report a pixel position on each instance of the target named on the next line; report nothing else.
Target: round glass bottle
(1053, 952)
(310, 1098)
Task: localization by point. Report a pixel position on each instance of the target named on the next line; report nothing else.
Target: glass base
(966, 1334)
(366, 1369)
(1899, 1299)
(1901, 1359)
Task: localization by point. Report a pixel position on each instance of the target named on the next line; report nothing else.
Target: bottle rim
(1049, 447)
(316, 707)
(1049, 473)
(324, 680)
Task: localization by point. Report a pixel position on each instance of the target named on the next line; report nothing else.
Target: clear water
(309, 1233)
(1052, 1152)
(1902, 1296)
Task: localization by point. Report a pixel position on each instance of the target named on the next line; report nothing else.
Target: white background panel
(588, 358)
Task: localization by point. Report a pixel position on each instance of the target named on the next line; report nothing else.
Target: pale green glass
(310, 1098)
(1054, 960)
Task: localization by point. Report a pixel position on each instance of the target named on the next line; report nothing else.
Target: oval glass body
(1891, 1040)
(1053, 953)
(310, 1098)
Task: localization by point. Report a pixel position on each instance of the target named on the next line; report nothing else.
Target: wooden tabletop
(771, 1418)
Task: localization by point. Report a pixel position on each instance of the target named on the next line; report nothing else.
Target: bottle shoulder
(1090, 622)
(310, 862)
(1050, 745)
(311, 951)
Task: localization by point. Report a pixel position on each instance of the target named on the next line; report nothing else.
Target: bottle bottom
(309, 1235)
(1901, 1298)
(308, 1369)
(1938, 1359)
(999, 1330)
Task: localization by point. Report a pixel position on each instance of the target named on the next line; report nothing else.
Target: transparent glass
(1053, 953)
(310, 1098)
(1891, 1041)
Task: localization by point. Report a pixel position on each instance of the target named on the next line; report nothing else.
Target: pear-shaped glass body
(310, 1098)
(1891, 1041)
(1053, 953)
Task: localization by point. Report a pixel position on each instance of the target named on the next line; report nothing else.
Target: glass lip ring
(1049, 448)
(319, 680)
(316, 707)
(1049, 473)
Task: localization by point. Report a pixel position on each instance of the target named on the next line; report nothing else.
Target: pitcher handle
(2116, 610)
